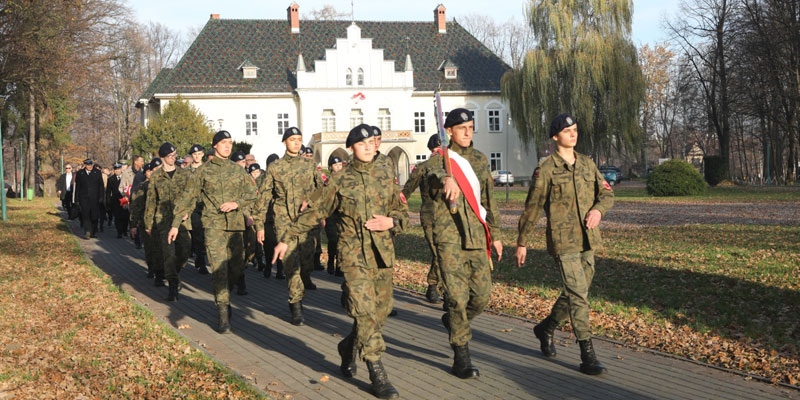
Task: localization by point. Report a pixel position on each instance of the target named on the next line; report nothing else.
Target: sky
(183, 15)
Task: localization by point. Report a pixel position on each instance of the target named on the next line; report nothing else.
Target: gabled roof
(211, 64)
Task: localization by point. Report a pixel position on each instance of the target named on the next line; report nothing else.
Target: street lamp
(508, 155)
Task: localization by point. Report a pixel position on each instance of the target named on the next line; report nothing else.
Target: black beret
(560, 122)
(333, 160)
(376, 131)
(253, 167)
(88, 161)
(358, 134)
(155, 163)
(309, 150)
(272, 158)
(434, 141)
(219, 136)
(165, 149)
(237, 156)
(195, 148)
(210, 152)
(458, 116)
(291, 132)
(146, 167)
(302, 150)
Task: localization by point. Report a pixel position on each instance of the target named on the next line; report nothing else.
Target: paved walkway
(290, 362)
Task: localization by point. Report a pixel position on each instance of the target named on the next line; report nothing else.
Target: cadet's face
(197, 157)
(256, 173)
(336, 167)
(378, 140)
(462, 134)
(568, 137)
(223, 148)
(148, 173)
(293, 144)
(169, 159)
(364, 150)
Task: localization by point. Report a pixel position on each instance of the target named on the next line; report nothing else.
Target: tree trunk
(30, 178)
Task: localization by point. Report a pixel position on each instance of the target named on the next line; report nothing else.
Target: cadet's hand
(228, 206)
(133, 232)
(379, 223)
(249, 222)
(172, 235)
(451, 189)
(260, 237)
(304, 205)
(498, 248)
(185, 217)
(522, 251)
(593, 219)
(280, 251)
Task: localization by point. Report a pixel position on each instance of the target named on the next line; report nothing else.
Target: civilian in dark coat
(65, 186)
(89, 194)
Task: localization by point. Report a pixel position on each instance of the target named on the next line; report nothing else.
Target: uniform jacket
(164, 191)
(216, 182)
(566, 193)
(358, 192)
(138, 204)
(423, 178)
(289, 182)
(464, 227)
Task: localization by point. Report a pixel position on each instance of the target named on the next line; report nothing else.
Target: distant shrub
(675, 178)
(716, 169)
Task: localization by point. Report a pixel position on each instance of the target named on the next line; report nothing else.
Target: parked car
(502, 177)
(612, 174)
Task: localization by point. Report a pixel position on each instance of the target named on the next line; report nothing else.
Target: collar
(218, 160)
(460, 150)
(361, 166)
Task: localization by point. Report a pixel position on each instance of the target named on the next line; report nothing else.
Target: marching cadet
(371, 212)
(166, 186)
(308, 153)
(197, 152)
(238, 157)
(269, 228)
(335, 165)
(464, 240)
(224, 188)
(152, 251)
(422, 177)
(575, 197)
(290, 181)
(254, 252)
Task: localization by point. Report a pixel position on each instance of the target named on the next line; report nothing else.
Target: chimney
(440, 19)
(294, 17)
(214, 16)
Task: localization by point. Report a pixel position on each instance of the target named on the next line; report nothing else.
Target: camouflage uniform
(422, 178)
(152, 252)
(289, 182)
(461, 246)
(163, 192)
(216, 182)
(358, 192)
(198, 240)
(567, 193)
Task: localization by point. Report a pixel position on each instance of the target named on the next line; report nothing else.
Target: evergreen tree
(180, 123)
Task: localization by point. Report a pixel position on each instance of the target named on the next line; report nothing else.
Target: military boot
(381, 387)
(348, 350)
(224, 318)
(331, 266)
(297, 313)
(432, 294)
(462, 364)
(544, 332)
(173, 290)
(279, 270)
(589, 363)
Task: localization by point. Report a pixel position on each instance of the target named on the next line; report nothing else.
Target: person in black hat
(115, 202)
(423, 178)
(371, 214)
(225, 190)
(289, 182)
(89, 192)
(197, 152)
(238, 157)
(574, 213)
(382, 159)
(335, 165)
(269, 229)
(166, 186)
(464, 239)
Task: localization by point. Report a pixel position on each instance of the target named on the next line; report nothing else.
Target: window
(451, 73)
(356, 117)
(494, 120)
(283, 122)
(328, 121)
(348, 78)
(419, 122)
(249, 72)
(495, 161)
(384, 119)
(360, 77)
(421, 157)
(475, 120)
(250, 124)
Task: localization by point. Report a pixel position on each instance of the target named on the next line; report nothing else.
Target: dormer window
(450, 69)
(249, 70)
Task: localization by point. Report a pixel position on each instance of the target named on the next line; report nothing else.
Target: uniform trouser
(369, 301)
(298, 264)
(175, 254)
(152, 251)
(433, 272)
(198, 241)
(252, 250)
(316, 234)
(577, 272)
(467, 279)
(332, 234)
(225, 251)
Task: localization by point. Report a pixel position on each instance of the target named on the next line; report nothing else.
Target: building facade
(256, 78)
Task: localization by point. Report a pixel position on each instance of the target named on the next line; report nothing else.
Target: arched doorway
(401, 163)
